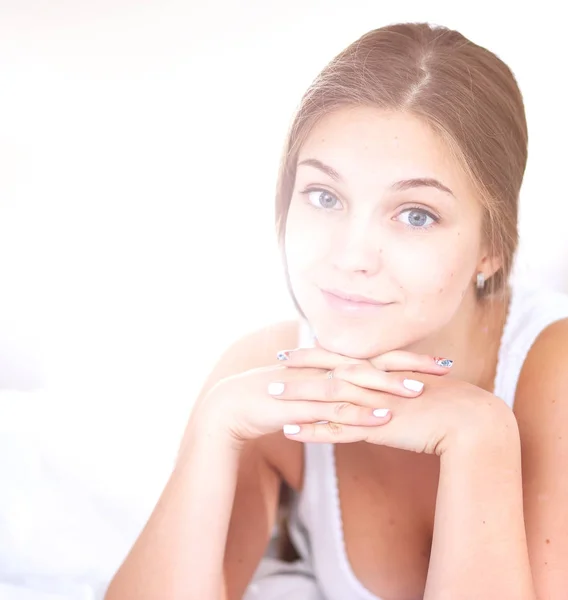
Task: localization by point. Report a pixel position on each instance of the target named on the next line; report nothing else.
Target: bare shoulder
(544, 377)
(541, 409)
(254, 350)
(541, 405)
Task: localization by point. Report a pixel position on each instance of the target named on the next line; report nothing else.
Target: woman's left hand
(447, 411)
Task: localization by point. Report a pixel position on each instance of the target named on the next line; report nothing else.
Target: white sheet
(79, 476)
(78, 480)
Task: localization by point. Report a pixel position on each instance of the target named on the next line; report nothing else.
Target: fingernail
(444, 362)
(275, 389)
(413, 385)
(291, 429)
(282, 355)
(381, 412)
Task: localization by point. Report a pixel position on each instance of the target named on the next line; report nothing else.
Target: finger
(329, 433)
(315, 357)
(299, 413)
(396, 360)
(401, 360)
(339, 388)
(367, 376)
(395, 433)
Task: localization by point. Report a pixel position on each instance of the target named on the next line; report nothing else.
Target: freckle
(548, 541)
(484, 522)
(391, 521)
(440, 290)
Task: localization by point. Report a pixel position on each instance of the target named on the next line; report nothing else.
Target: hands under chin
(411, 405)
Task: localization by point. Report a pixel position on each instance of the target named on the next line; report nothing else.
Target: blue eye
(418, 218)
(322, 199)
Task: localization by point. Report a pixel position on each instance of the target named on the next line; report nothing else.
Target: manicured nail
(381, 412)
(275, 389)
(282, 355)
(444, 362)
(291, 429)
(413, 385)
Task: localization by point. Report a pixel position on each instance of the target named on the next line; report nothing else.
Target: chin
(362, 336)
(355, 343)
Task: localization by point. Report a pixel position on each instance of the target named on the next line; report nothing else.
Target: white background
(139, 144)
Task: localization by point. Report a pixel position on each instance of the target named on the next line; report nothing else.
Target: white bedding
(78, 480)
(74, 492)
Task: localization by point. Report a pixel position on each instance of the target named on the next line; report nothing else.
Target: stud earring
(480, 281)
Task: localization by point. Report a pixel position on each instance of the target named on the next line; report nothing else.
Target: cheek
(435, 265)
(305, 245)
(434, 285)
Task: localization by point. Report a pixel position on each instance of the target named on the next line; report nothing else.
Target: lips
(354, 298)
(353, 305)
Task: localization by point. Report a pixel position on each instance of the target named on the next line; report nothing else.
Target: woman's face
(380, 210)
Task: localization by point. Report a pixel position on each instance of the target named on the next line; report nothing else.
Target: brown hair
(463, 91)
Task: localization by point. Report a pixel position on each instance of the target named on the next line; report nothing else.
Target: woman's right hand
(246, 406)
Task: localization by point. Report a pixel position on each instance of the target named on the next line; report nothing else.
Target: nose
(356, 248)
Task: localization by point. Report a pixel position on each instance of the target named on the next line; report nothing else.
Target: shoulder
(541, 400)
(543, 380)
(254, 350)
(541, 409)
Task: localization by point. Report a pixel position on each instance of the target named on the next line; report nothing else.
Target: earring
(480, 281)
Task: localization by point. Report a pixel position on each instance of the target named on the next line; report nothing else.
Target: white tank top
(323, 571)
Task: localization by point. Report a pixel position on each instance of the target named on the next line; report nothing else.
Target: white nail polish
(291, 429)
(381, 412)
(274, 389)
(413, 385)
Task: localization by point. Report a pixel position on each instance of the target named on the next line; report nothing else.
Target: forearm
(179, 554)
(479, 548)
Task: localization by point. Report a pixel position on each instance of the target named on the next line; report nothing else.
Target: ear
(489, 265)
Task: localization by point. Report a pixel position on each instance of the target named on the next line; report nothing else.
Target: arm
(480, 548)
(252, 521)
(542, 412)
(181, 551)
(179, 554)
(216, 512)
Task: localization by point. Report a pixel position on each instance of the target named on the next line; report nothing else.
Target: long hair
(465, 93)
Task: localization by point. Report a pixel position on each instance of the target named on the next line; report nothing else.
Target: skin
(365, 244)
(449, 455)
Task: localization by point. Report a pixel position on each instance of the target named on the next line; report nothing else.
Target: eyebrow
(398, 186)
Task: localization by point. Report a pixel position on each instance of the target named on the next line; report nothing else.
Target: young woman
(397, 212)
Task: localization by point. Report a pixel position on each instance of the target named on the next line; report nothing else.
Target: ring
(330, 374)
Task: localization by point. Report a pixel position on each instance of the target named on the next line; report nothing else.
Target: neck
(471, 339)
